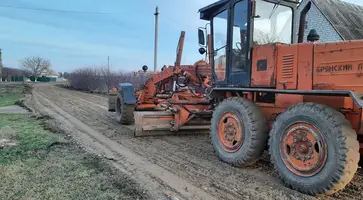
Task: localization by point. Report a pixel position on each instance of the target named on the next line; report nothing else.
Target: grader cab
(269, 90)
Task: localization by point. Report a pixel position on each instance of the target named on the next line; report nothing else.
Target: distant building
(334, 20)
(49, 74)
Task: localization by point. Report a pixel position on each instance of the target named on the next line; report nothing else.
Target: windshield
(272, 24)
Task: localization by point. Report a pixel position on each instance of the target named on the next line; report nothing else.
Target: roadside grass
(40, 164)
(10, 95)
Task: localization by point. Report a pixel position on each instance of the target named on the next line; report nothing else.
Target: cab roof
(207, 12)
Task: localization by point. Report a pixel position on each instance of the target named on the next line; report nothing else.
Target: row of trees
(6, 72)
(100, 79)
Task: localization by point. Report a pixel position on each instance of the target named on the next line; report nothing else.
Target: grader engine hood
(338, 66)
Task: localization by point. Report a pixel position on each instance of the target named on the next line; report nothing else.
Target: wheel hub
(303, 149)
(230, 132)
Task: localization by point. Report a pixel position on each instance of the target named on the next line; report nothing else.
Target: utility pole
(156, 38)
(108, 64)
(1, 66)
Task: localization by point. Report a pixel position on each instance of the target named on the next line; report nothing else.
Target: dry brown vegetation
(100, 79)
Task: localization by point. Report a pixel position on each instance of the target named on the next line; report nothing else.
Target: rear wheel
(238, 132)
(314, 149)
(124, 113)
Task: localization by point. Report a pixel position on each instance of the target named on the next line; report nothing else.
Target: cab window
(220, 26)
(239, 40)
(273, 23)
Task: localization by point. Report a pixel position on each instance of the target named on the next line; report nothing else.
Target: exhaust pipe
(303, 22)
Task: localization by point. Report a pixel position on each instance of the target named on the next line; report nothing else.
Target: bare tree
(261, 38)
(101, 78)
(107, 75)
(36, 65)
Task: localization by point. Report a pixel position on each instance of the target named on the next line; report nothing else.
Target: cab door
(239, 70)
(220, 44)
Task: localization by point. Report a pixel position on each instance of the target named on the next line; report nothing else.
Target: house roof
(205, 13)
(346, 18)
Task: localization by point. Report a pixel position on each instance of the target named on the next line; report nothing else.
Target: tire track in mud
(175, 140)
(352, 191)
(177, 157)
(190, 157)
(140, 164)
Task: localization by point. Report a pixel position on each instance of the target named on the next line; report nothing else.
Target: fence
(43, 79)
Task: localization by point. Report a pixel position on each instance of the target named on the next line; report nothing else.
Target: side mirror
(202, 50)
(201, 37)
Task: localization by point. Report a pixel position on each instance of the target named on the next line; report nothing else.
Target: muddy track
(188, 159)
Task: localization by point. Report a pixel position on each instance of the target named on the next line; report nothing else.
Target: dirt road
(184, 165)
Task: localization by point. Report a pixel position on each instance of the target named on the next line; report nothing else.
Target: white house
(334, 20)
(50, 73)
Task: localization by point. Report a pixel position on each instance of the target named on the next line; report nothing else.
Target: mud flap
(160, 122)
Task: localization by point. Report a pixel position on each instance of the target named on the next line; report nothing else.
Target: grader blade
(159, 123)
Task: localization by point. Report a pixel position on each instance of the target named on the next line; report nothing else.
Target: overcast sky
(125, 32)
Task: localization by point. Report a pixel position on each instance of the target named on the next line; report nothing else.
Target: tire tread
(258, 128)
(348, 152)
(126, 114)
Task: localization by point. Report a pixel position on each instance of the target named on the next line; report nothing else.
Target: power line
(181, 24)
(55, 10)
(86, 13)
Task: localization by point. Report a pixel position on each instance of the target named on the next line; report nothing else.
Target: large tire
(124, 113)
(335, 154)
(248, 123)
(112, 104)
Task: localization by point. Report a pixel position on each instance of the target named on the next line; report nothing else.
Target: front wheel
(124, 113)
(238, 132)
(314, 149)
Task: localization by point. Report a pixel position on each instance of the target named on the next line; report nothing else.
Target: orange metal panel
(146, 106)
(334, 102)
(287, 58)
(354, 118)
(305, 66)
(271, 113)
(263, 66)
(338, 66)
(349, 103)
(287, 100)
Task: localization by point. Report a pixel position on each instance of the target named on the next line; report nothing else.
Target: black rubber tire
(255, 131)
(110, 108)
(341, 143)
(124, 113)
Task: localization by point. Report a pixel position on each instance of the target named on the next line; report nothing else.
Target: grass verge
(10, 95)
(38, 164)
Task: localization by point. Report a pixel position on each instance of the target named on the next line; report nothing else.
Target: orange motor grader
(270, 89)
(173, 100)
(301, 100)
